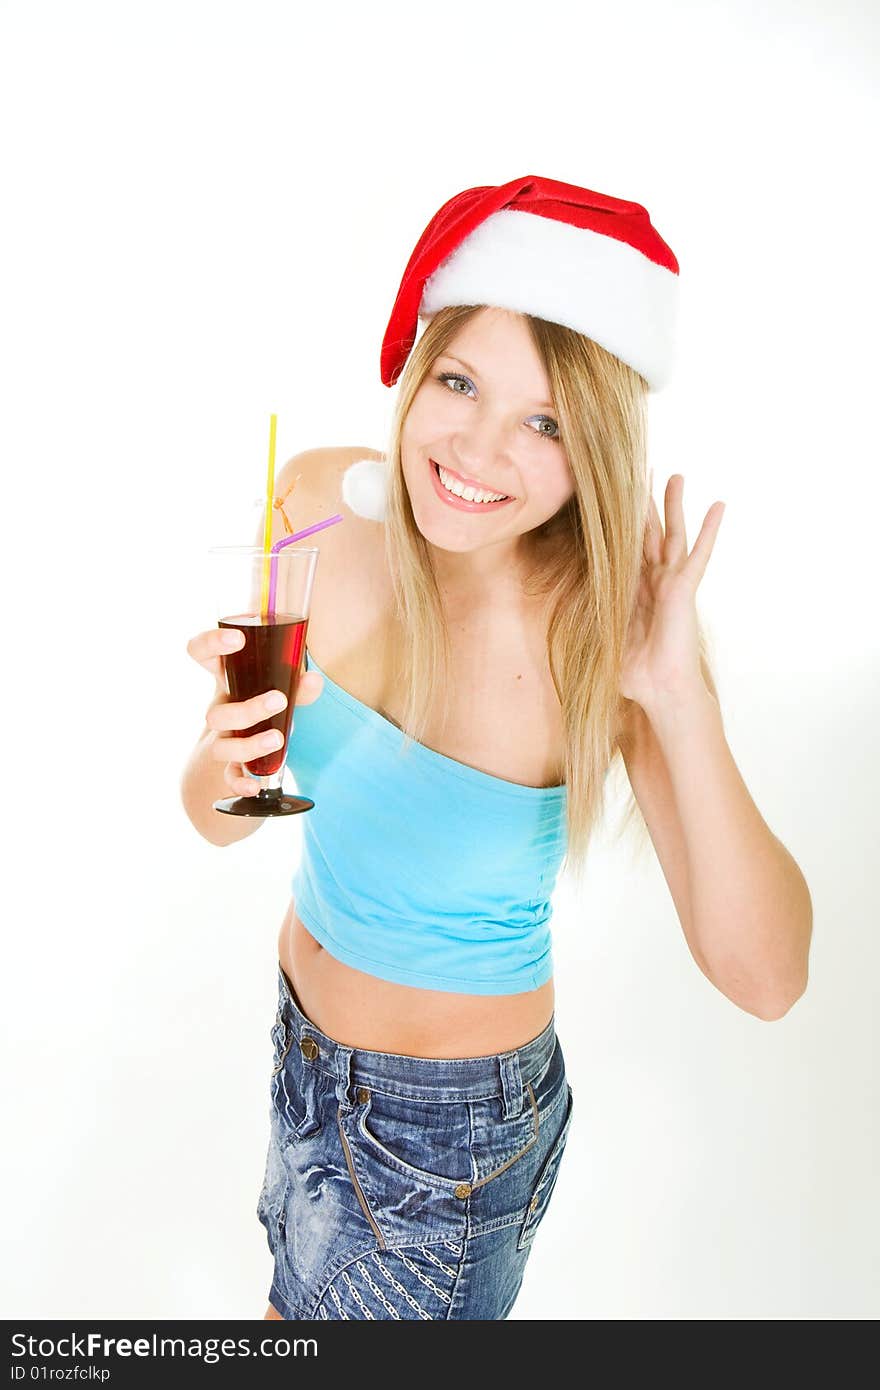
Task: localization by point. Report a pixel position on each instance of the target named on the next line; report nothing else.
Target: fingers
(236, 716)
(674, 544)
(244, 714)
(705, 542)
(676, 539)
(207, 648)
(246, 748)
(239, 782)
(230, 719)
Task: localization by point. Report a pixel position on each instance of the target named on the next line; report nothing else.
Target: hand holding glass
(271, 657)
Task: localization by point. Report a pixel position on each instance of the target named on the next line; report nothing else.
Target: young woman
(500, 619)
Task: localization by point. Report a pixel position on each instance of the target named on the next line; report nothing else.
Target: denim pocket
(546, 1179)
(424, 1140)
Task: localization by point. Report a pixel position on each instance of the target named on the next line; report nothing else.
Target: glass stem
(270, 787)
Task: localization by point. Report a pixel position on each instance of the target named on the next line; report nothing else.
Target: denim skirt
(406, 1187)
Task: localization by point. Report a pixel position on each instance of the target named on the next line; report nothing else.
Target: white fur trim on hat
(602, 287)
(364, 488)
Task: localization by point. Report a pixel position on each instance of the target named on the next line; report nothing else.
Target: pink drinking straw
(289, 540)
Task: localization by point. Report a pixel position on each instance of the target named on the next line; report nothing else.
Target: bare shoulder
(318, 473)
(310, 487)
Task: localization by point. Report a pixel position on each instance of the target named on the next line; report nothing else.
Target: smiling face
(483, 419)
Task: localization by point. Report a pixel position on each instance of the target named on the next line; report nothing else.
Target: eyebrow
(542, 405)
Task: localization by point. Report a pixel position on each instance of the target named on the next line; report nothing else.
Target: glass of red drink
(272, 657)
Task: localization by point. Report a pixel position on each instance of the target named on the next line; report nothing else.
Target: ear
(364, 488)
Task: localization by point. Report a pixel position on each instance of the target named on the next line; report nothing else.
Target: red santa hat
(559, 252)
(583, 259)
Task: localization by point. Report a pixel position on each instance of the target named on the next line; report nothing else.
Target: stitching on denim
(397, 1094)
(356, 1181)
(539, 1076)
(423, 1278)
(421, 1175)
(424, 1175)
(435, 1260)
(368, 1315)
(546, 1178)
(377, 1292)
(332, 1270)
(338, 1301)
(536, 1115)
(461, 1251)
(413, 1303)
(361, 1260)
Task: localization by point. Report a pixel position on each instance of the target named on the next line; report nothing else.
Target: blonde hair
(589, 559)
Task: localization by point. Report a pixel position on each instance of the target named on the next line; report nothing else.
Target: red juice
(271, 659)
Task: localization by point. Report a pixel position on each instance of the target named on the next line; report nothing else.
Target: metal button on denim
(463, 1189)
(309, 1048)
(363, 1094)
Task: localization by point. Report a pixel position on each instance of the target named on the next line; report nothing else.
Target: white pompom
(364, 487)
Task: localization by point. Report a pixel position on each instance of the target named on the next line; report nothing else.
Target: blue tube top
(417, 868)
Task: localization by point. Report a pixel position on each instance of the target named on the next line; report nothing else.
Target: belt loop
(343, 1072)
(511, 1084)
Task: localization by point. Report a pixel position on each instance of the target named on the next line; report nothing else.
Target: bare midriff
(362, 1010)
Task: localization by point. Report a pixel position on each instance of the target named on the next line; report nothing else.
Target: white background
(207, 211)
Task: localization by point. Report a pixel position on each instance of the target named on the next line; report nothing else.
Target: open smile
(463, 503)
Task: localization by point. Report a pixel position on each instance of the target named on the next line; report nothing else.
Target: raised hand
(662, 656)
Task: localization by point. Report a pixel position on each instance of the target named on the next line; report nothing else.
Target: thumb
(310, 687)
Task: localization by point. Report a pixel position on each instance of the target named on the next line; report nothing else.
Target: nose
(479, 455)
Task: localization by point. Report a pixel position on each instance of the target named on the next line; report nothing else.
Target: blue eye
(455, 376)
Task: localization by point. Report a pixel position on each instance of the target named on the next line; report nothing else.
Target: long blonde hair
(589, 569)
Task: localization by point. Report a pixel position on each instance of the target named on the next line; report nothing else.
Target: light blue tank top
(417, 868)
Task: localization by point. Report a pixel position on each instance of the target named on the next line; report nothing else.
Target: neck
(492, 575)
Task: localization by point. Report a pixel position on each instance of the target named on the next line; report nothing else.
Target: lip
(463, 506)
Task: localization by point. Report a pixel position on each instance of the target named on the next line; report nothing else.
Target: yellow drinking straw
(267, 535)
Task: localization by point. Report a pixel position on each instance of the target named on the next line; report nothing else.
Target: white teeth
(469, 494)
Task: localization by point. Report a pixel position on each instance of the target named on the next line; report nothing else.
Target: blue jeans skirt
(406, 1187)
